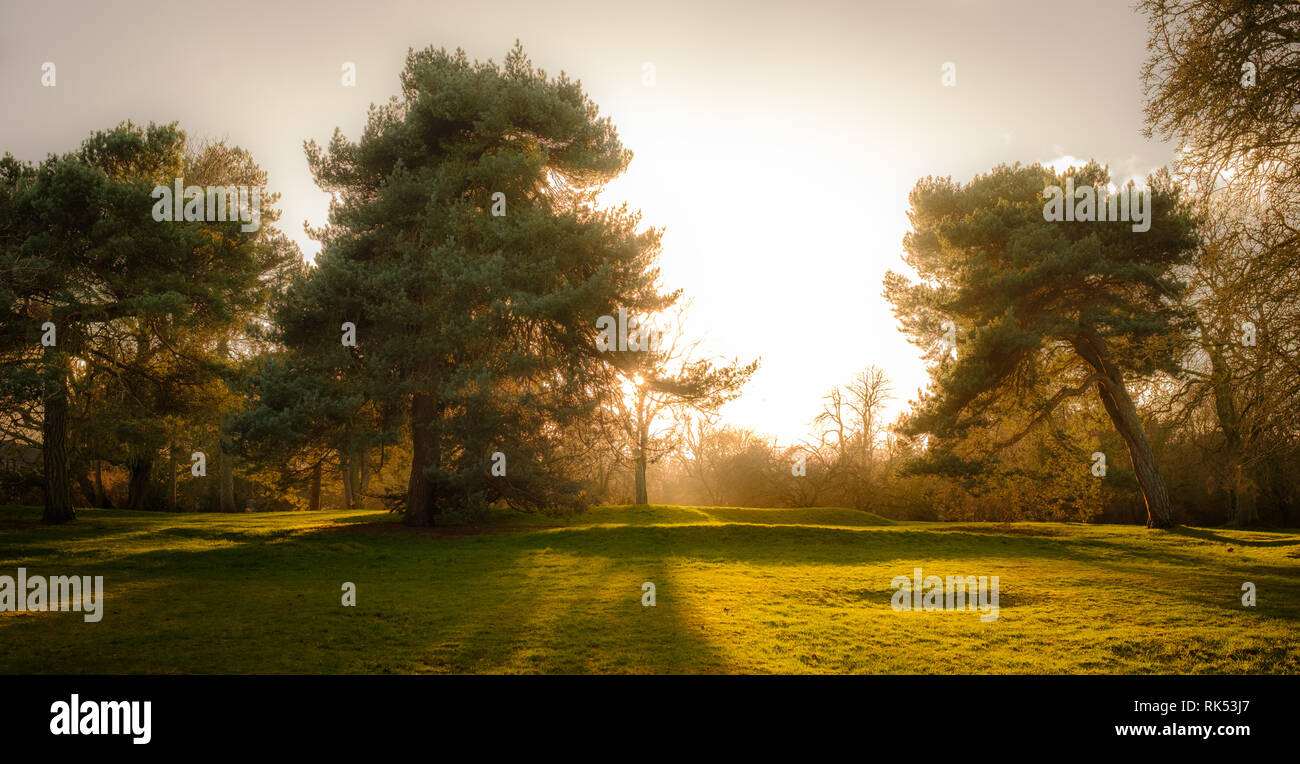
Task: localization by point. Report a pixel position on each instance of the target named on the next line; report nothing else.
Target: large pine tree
(475, 331)
(1038, 305)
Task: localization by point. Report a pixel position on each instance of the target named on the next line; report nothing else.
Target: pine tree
(466, 250)
(1033, 303)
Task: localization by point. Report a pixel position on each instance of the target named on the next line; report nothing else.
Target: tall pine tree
(466, 248)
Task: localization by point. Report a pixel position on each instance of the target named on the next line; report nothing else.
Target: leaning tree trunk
(1123, 415)
(54, 449)
(1160, 512)
(421, 494)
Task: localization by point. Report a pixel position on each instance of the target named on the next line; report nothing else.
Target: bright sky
(776, 145)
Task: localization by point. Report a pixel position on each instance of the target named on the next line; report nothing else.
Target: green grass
(738, 590)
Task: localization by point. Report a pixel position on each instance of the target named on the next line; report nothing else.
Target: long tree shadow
(261, 605)
(1208, 535)
(271, 604)
(549, 599)
(795, 545)
(1098, 549)
(632, 633)
(1220, 589)
(783, 545)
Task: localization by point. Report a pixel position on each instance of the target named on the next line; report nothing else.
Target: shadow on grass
(789, 545)
(268, 604)
(1208, 535)
(557, 600)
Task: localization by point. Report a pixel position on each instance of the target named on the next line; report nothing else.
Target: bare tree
(661, 387)
(851, 433)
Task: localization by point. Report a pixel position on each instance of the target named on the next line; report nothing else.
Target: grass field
(738, 591)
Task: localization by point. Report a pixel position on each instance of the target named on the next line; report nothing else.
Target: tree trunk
(313, 495)
(642, 493)
(171, 477)
(226, 474)
(225, 461)
(349, 488)
(140, 463)
(1245, 495)
(1124, 416)
(1242, 491)
(101, 496)
(54, 449)
(354, 470)
(363, 465)
(84, 483)
(421, 494)
(642, 438)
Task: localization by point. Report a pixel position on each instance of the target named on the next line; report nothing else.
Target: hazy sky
(776, 145)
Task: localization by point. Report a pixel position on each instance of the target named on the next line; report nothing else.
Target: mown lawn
(738, 591)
